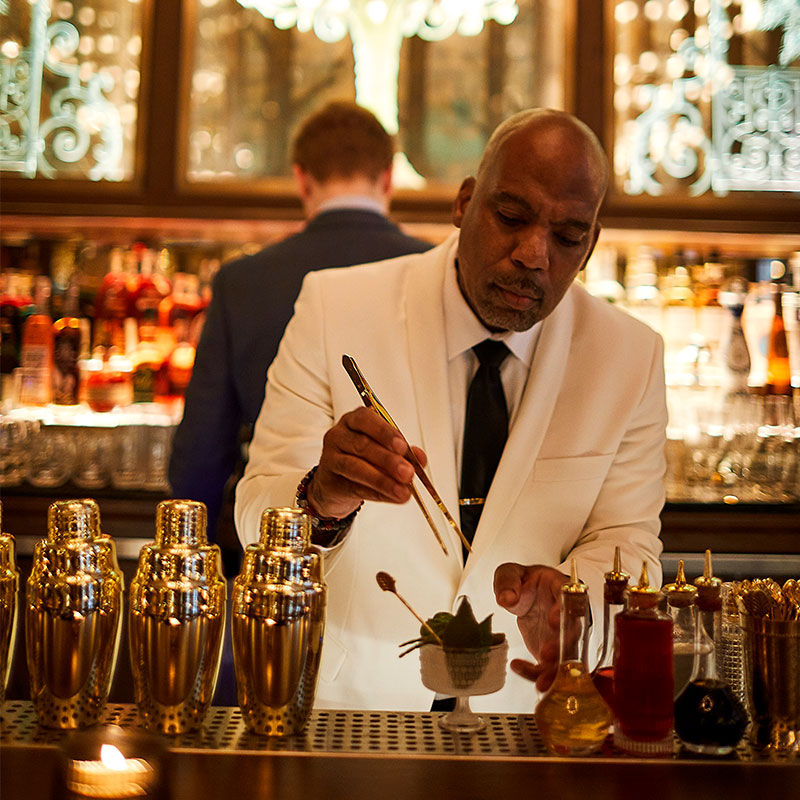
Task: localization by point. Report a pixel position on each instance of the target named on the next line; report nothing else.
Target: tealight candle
(112, 776)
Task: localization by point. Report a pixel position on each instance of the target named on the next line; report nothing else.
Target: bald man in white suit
(582, 468)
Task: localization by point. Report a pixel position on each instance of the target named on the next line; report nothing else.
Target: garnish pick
(387, 583)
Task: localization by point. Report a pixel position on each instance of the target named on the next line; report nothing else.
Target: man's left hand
(533, 594)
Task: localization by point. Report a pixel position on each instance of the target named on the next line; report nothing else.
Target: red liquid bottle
(643, 673)
(616, 582)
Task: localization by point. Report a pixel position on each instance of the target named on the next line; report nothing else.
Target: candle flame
(112, 758)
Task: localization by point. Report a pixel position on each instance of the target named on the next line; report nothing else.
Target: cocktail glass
(463, 673)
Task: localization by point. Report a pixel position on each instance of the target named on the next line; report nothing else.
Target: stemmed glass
(462, 673)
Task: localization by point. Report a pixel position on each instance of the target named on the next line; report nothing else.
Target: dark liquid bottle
(709, 718)
(643, 674)
(614, 587)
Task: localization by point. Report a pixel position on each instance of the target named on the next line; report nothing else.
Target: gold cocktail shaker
(278, 613)
(72, 616)
(176, 620)
(9, 583)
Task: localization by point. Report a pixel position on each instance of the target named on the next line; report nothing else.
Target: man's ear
(462, 200)
(301, 179)
(597, 229)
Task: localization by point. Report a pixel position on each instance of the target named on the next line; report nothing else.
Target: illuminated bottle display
(680, 603)
(572, 717)
(643, 673)
(616, 582)
(709, 718)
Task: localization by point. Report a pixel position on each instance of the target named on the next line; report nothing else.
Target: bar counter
(355, 755)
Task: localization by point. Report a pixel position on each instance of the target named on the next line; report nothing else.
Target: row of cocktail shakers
(73, 607)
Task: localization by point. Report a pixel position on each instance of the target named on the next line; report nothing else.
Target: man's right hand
(363, 458)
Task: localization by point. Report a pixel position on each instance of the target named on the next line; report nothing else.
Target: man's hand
(363, 458)
(533, 594)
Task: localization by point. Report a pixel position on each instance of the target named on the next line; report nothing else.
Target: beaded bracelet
(330, 526)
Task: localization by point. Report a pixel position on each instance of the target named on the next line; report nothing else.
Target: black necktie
(485, 432)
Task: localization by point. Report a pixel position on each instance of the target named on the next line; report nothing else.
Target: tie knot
(491, 353)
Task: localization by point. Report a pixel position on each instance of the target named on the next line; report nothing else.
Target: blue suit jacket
(253, 299)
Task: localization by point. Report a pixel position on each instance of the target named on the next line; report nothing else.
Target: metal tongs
(371, 401)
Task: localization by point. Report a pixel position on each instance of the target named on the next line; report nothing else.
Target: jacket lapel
(531, 423)
(427, 348)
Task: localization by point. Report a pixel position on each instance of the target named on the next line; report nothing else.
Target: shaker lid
(285, 527)
(73, 519)
(181, 522)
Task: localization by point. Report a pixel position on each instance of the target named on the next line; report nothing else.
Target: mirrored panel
(439, 73)
(69, 88)
(706, 96)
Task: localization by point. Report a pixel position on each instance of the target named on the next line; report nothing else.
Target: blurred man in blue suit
(342, 164)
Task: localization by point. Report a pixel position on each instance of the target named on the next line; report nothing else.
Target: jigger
(72, 617)
(176, 620)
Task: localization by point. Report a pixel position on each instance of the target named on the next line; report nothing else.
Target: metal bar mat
(350, 732)
(341, 733)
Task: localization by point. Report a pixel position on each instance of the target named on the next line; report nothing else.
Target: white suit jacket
(582, 470)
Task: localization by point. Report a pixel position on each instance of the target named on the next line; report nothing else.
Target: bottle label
(144, 384)
(66, 373)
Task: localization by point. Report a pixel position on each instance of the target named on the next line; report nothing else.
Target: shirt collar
(464, 330)
(350, 201)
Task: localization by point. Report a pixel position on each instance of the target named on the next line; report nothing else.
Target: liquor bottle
(711, 316)
(779, 374)
(643, 680)
(9, 584)
(643, 298)
(72, 617)
(709, 718)
(112, 385)
(111, 304)
(572, 717)
(680, 604)
(680, 321)
(67, 351)
(36, 358)
(278, 622)
(759, 311)
(180, 362)
(147, 290)
(147, 365)
(791, 321)
(616, 582)
(13, 301)
(177, 618)
(600, 277)
(182, 303)
(734, 353)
